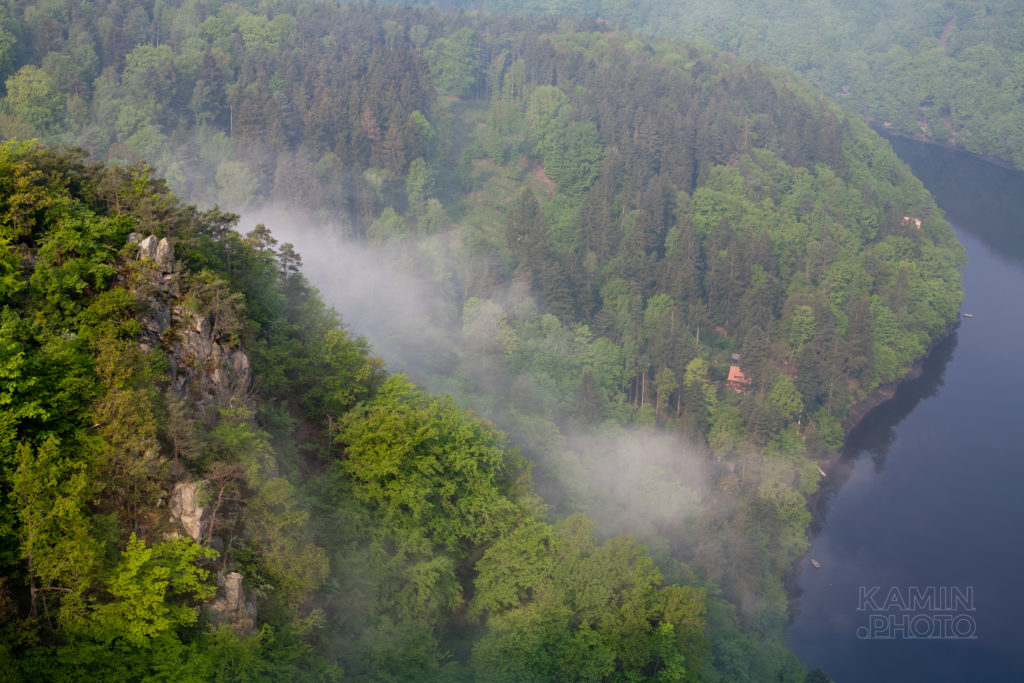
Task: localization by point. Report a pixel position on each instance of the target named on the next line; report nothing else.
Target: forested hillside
(172, 415)
(951, 71)
(665, 273)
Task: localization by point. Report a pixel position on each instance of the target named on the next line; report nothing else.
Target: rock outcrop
(185, 508)
(157, 287)
(233, 606)
(208, 371)
(204, 368)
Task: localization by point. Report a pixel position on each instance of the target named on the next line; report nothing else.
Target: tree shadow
(876, 433)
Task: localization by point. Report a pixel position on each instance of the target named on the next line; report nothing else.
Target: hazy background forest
(951, 71)
(575, 231)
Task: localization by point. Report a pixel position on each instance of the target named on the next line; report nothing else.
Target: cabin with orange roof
(737, 381)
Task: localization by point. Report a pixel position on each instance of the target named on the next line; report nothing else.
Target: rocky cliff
(207, 370)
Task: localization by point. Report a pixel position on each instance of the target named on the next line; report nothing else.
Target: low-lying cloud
(640, 481)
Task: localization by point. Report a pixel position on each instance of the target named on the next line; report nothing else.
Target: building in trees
(737, 381)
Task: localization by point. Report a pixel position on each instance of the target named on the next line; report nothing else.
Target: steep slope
(583, 229)
(157, 483)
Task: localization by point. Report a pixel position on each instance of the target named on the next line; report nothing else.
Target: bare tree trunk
(213, 514)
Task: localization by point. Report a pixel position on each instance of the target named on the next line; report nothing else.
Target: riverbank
(927, 490)
(886, 392)
(892, 130)
(830, 463)
(837, 467)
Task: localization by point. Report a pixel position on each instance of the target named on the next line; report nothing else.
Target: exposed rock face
(208, 370)
(185, 509)
(205, 369)
(159, 288)
(164, 255)
(232, 605)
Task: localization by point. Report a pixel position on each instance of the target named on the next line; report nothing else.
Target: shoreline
(862, 409)
(830, 463)
(881, 394)
(880, 128)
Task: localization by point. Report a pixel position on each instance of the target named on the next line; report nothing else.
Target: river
(920, 533)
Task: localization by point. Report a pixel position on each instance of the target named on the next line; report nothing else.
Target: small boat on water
(816, 564)
(968, 315)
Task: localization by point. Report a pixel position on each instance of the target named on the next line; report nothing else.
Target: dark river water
(921, 540)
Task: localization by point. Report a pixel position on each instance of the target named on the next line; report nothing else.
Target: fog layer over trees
(577, 232)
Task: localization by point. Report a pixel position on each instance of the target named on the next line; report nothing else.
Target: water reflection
(986, 200)
(876, 433)
(947, 508)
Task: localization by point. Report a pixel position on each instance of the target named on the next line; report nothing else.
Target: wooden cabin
(737, 381)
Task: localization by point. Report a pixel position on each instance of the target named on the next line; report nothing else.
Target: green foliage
(727, 433)
(561, 606)
(276, 522)
(48, 492)
(388, 226)
(699, 397)
(34, 101)
(539, 644)
(454, 62)
(422, 463)
(575, 166)
(419, 183)
(346, 371)
(926, 68)
(801, 327)
(237, 187)
(571, 152)
(784, 399)
(209, 296)
(235, 439)
(81, 437)
(18, 400)
(148, 585)
(708, 208)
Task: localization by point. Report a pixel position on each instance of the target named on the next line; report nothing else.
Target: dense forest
(665, 273)
(143, 380)
(950, 71)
